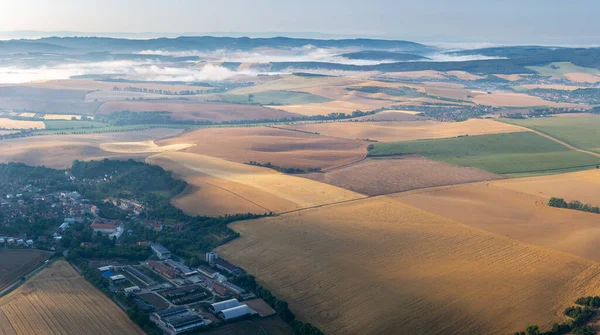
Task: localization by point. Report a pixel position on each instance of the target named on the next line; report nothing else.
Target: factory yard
(59, 301)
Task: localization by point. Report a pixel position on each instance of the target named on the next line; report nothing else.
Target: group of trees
(577, 325)
(283, 169)
(575, 205)
(248, 282)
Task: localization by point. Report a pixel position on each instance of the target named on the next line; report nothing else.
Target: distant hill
(382, 55)
(79, 45)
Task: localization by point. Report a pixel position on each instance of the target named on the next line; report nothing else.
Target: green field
(581, 132)
(67, 124)
(275, 98)
(510, 154)
(558, 69)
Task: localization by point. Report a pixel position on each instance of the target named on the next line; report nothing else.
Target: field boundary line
(563, 143)
(226, 190)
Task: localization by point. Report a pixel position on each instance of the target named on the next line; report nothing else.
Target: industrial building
(211, 257)
(165, 271)
(180, 267)
(177, 320)
(160, 251)
(117, 279)
(236, 312)
(220, 306)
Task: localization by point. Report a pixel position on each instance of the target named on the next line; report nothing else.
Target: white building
(160, 251)
(211, 257)
(236, 312)
(223, 305)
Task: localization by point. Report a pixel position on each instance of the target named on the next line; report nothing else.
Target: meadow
(511, 153)
(59, 301)
(582, 132)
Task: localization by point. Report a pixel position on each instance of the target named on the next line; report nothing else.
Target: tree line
(576, 325)
(575, 205)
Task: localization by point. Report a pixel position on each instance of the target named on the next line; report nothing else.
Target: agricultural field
(390, 267)
(583, 186)
(20, 124)
(289, 149)
(198, 111)
(508, 211)
(59, 151)
(65, 117)
(59, 301)
(275, 98)
(377, 176)
(68, 124)
(559, 69)
(141, 147)
(392, 116)
(582, 132)
(513, 153)
(406, 131)
(15, 263)
(245, 188)
(501, 99)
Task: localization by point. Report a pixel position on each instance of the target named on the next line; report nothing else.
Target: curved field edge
(512, 153)
(377, 266)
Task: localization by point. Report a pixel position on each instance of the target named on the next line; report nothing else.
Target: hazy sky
(523, 21)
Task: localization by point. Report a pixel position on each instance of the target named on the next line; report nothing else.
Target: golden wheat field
(377, 176)
(142, 147)
(517, 215)
(407, 131)
(247, 185)
(290, 149)
(378, 266)
(59, 301)
(583, 186)
(59, 151)
(20, 124)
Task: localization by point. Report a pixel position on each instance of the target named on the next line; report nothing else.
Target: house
(160, 251)
(104, 228)
(154, 225)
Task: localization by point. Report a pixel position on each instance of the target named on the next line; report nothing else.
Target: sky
(494, 21)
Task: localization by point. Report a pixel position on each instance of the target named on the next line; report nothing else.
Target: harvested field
(455, 93)
(583, 186)
(59, 151)
(524, 217)
(334, 107)
(582, 77)
(20, 124)
(27, 115)
(406, 131)
(582, 132)
(392, 116)
(464, 75)
(275, 98)
(15, 263)
(518, 100)
(59, 301)
(393, 268)
(426, 74)
(511, 77)
(85, 85)
(198, 111)
(63, 117)
(141, 147)
(377, 176)
(513, 153)
(289, 149)
(247, 186)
